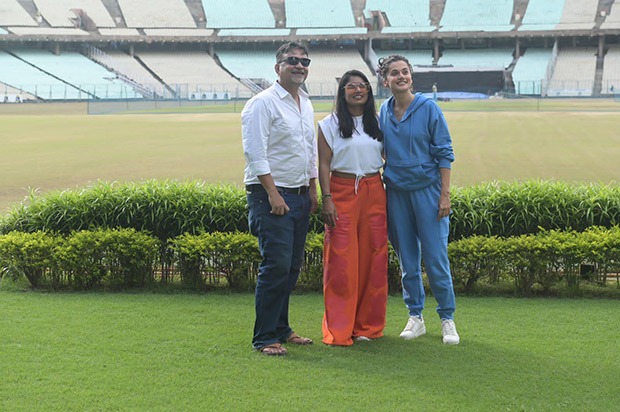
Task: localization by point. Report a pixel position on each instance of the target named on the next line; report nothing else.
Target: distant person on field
(419, 155)
(434, 88)
(280, 177)
(355, 257)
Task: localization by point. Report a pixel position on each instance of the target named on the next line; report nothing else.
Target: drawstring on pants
(358, 178)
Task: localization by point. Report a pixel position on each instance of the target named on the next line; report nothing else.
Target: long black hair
(345, 118)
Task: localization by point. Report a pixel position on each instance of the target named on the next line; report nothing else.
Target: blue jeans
(416, 234)
(281, 240)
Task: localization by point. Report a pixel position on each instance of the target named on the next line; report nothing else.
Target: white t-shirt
(359, 155)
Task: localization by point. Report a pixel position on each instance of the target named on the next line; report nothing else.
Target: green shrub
(168, 209)
(114, 258)
(164, 208)
(311, 277)
(537, 262)
(83, 260)
(549, 262)
(601, 249)
(513, 209)
(205, 259)
(527, 261)
(474, 259)
(394, 272)
(32, 255)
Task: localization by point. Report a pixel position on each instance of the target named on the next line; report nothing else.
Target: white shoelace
(449, 327)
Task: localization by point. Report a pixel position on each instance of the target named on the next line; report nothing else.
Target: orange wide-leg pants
(355, 260)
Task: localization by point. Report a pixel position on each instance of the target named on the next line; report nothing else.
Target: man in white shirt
(280, 176)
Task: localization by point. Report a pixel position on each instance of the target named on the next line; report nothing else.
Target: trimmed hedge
(546, 263)
(104, 258)
(114, 258)
(165, 209)
(531, 235)
(207, 258)
(513, 209)
(168, 209)
(32, 255)
(538, 262)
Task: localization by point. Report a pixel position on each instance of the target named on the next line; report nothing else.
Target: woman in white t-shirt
(355, 251)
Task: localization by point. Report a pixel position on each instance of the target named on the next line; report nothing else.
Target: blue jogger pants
(415, 233)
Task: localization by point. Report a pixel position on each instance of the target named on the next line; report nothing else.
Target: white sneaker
(415, 328)
(362, 339)
(448, 330)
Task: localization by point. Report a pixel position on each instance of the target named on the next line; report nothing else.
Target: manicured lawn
(156, 352)
(52, 150)
(182, 352)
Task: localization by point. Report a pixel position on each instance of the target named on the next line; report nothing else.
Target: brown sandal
(298, 340)
(274, 349)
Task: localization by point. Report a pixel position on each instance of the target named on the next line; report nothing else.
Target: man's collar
(282, 92)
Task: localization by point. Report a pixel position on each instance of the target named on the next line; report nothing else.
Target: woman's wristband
(326, 195)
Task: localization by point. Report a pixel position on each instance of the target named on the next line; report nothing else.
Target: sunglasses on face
(355, 86)
(294, 61)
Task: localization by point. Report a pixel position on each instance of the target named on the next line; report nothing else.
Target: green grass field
(145, 352)
(190, 352)
(58, 146)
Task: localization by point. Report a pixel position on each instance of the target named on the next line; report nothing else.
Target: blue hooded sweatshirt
(416, 146)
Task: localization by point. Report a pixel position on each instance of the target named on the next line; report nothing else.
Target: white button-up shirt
(278, 138)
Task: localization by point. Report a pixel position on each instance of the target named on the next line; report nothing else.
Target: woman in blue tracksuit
(419, 155)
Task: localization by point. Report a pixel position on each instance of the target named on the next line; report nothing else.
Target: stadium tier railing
(471, 58)
(408, 29)
(74, 69)
(127, 68)
(477, 28)
(415, 57)
(190, 68)
(210, 93)
(530, 71)
(574, 26)
(178, 32)
(23, 76)
(118, 32)
(248, 64)
(571, 64)
(48, 31)
(611, 72)
(254, 32)
(10, 94)
(332, 31)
